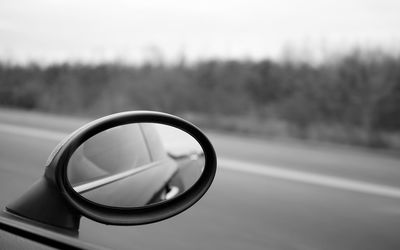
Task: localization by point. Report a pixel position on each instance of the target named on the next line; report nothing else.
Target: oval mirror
(135, 165)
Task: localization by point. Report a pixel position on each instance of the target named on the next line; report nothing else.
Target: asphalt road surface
(266, 195)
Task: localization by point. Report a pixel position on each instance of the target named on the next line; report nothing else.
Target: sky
(135, 31)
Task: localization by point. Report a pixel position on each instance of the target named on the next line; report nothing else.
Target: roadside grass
(282, 130)
(245, 126)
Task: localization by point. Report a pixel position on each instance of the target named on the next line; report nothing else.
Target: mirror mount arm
(44, 203)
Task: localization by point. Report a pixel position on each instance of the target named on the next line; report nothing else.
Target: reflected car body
(118, 168)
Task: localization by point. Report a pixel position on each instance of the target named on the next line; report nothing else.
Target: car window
(154, 142)
(109, 152)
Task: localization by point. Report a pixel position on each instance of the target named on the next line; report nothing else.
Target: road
(266, 194)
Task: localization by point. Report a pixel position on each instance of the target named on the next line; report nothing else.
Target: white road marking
(32, 132)
(246, 167)
(309, 178)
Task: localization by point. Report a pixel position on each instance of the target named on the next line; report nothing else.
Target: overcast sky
(95, 30)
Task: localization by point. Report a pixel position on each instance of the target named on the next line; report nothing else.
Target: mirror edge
(139, 215)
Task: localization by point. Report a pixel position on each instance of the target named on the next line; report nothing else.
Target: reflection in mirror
(135, 165)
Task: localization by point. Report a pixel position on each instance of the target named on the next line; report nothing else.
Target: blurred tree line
(352, 99)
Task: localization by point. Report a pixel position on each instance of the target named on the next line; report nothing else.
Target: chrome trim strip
(82, 188)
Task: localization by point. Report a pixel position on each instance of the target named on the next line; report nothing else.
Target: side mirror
(128, 168)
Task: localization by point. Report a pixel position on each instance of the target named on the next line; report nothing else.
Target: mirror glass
(136, 165)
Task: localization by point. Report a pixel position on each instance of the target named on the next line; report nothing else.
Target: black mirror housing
(52, 200)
